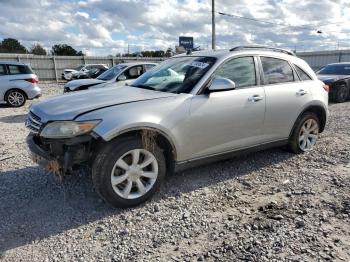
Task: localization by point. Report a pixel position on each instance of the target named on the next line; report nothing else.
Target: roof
(137, 63)
(11, 63)
(340, 63)
(93, 64)
(223, 54)
(210, 53)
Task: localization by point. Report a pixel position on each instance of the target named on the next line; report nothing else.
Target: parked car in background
(210, 106)
(92, 73)
(337, 77)
(17, 84)
(69, 74)
(119, 74)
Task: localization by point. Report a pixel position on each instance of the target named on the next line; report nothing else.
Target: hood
(68, 107)
(72, 85)
(69, 70)
(331, 78)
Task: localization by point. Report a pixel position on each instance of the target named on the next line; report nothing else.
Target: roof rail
(288, 52)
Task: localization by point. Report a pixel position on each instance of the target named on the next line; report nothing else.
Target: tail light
(326, 88)
(32, 80)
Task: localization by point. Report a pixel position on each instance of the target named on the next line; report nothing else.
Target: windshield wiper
(144, 87)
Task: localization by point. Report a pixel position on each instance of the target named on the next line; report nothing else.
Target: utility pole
(213, 24)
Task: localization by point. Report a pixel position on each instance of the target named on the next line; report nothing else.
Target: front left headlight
(68, 129)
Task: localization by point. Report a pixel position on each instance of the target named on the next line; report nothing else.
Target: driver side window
(240, 70)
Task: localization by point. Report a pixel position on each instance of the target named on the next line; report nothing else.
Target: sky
(107, 27)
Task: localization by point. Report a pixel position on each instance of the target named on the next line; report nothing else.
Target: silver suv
(188, 110)
(17, 84)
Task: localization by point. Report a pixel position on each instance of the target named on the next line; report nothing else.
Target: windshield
(79, 68)
(176, 75)
(111, 73)
(335, 70)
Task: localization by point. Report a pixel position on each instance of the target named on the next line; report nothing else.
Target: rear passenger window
(19, 69)
(240, 70)
(276, 70)
(14, 70)
(302, 75)
(2, 70)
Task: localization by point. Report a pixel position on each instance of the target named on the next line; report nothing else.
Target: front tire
(126, 174)
(340, 93)
(15, 98)
(305, 133)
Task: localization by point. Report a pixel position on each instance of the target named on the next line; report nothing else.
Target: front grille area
(33, 123)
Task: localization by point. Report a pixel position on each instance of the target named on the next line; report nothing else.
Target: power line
(282, 24)
(264, 21)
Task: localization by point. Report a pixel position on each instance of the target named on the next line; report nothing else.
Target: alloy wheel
(16, 98)
(343, 93)
(134, 173)
(308, 134)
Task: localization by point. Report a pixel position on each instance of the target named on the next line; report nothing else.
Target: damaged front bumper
(60, 156)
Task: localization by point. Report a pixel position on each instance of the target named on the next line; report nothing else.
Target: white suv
(17, 84)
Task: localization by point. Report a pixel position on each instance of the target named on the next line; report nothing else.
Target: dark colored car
(337, 77)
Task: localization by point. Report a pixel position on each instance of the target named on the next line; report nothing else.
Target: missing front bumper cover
(59, 156)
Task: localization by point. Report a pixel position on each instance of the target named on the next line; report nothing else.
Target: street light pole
(213, 24)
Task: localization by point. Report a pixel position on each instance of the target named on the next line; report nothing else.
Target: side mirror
(121, 78)
(221, 84)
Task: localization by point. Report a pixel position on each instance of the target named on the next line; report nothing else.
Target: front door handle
(301, 92)
(255, 98)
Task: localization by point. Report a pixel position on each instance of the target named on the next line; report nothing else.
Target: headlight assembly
(68, 129)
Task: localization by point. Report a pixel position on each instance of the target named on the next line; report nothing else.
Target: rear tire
(340, 93)
(305, 133)
(15, 98)
(126, 174)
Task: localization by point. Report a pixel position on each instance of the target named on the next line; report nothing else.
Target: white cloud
(108, 26)
(82, 14)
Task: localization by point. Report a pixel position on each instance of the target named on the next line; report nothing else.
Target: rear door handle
(255, 98)
(301, 92)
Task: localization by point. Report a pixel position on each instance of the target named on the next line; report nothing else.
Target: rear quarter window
(19, 69)
(301, 73)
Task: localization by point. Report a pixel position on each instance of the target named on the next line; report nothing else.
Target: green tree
(11, 45)
(37, 49)
(65, 50)
(159, 53)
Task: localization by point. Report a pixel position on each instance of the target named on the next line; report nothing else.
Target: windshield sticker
(200, 65)
(347, 68)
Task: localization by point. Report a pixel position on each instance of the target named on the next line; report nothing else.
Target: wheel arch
(162, 139)
(319, 110)
(15, 89)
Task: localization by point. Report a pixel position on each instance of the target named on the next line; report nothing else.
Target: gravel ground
(266, 206)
